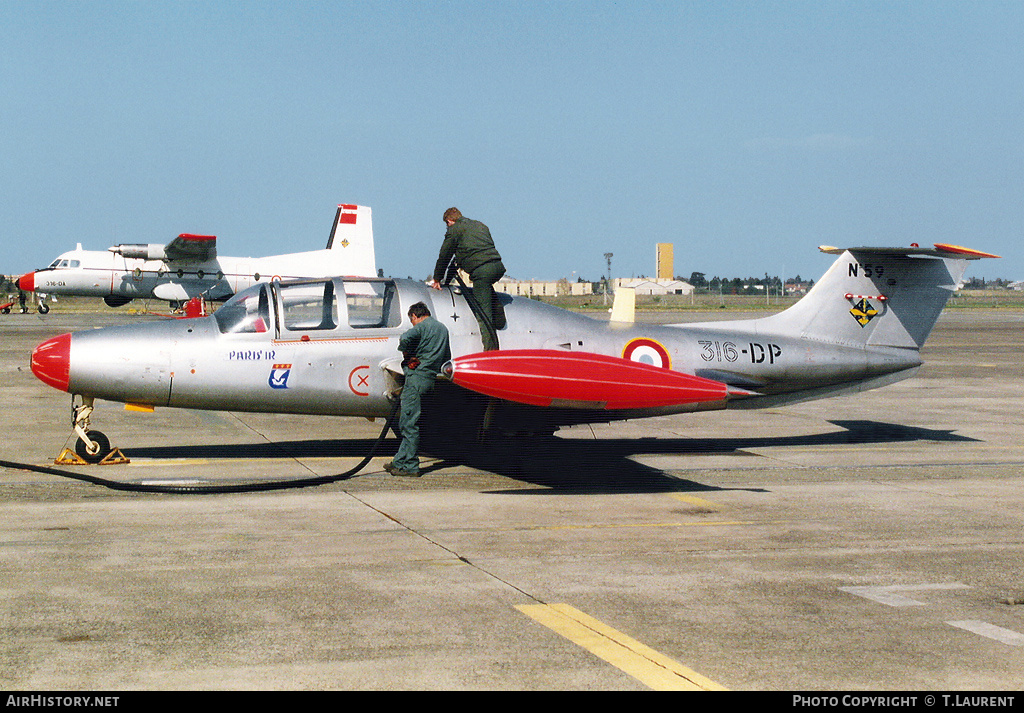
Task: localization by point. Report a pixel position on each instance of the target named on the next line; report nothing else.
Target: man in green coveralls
(470, 243)
(425, 348)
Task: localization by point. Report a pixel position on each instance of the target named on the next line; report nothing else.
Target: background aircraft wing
(192, 247)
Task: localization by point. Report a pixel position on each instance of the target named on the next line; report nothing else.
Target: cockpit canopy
(60, 263)
(248, 311)
(311, 305)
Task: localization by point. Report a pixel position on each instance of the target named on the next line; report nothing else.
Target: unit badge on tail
(863, 312)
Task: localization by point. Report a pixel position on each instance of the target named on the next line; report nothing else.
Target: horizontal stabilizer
(941, 250)
(557, 379)
(963, 252)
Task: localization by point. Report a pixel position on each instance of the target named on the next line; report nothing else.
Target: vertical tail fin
(624, 305)
(878, 296)
(352, 235)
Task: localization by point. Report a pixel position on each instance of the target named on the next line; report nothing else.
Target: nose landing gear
(92, 447)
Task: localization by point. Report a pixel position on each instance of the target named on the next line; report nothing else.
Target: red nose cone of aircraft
(27, 282)
(51, 362)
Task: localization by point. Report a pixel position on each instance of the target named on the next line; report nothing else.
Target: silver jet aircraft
(329, 346)
(188, 266)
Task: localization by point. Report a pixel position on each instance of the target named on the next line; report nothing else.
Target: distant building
(541, 288)
(657, 286)
(664, 269)
(646, 286)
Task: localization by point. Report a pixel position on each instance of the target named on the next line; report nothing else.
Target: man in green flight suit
(469, 243)
(425, 348)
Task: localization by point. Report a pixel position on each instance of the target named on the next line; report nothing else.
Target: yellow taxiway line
(644, 664)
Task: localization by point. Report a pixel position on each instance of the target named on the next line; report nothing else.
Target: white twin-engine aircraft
(188, 266)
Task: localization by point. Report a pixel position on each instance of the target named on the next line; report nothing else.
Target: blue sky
(746, 133)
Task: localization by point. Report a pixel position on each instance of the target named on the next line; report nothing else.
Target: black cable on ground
(211, 489)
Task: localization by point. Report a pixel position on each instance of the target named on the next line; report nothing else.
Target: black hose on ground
(213, 489)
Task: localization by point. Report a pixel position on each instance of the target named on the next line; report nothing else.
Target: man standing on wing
(469, 243)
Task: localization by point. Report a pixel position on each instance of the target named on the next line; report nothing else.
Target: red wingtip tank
(550, 378)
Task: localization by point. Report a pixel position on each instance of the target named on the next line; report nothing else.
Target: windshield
(246, 312)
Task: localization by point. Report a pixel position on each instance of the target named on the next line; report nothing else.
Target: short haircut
(452, 214)
(419, 310)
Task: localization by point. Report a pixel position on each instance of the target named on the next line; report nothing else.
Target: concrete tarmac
(870, 542)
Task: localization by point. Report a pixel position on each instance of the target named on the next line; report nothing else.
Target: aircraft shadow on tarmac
(568, 465)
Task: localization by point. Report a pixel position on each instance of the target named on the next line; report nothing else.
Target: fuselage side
(331, 347)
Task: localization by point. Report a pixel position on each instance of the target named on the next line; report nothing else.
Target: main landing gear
(92, 447)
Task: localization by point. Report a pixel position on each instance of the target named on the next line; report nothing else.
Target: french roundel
(647, 351)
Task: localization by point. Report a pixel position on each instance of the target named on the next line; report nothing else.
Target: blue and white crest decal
(279, 376)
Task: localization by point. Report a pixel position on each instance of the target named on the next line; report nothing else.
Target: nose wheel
(92, 447)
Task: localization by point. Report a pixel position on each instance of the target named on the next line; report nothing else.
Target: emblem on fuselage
(279, 376)
(863, 312)
(647, 351)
